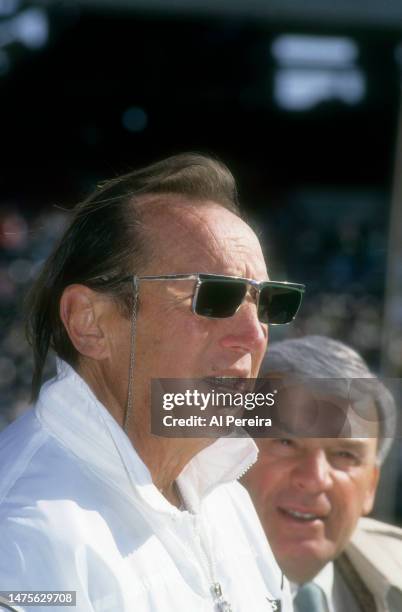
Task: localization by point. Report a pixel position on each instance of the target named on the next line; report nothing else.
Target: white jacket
(79, 512)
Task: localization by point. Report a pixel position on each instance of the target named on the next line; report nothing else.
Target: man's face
(309, 494)
(173, 342)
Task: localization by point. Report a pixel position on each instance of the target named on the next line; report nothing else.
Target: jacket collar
(69, 411)
(372, 560)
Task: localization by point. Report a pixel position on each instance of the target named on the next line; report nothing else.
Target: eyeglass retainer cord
(130, 397)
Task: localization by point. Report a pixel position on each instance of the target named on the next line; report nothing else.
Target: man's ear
(82, 312)
(371, 491)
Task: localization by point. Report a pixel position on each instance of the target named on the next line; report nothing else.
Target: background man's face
(309, 493)
(171, 341)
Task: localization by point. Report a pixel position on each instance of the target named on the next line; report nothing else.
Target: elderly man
(311, 492)
(156, 277)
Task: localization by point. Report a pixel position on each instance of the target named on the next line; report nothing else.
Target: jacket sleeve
(28, 563)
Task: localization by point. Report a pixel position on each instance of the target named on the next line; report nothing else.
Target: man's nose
(312, 473)
(244, 331)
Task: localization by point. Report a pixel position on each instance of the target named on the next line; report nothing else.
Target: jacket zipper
(206, 559)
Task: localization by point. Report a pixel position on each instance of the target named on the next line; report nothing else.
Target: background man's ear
(371, 491)
(83, 314)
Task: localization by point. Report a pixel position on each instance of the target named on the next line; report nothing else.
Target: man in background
(311, 492)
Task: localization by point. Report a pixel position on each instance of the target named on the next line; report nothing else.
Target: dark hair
(104, 242)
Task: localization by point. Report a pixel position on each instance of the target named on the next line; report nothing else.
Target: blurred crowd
(25, 241)
(337, 245)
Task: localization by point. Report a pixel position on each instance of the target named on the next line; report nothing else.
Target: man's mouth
(231, 383)
(301, 516)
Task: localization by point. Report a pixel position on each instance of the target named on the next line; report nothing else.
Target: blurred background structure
(300, 99)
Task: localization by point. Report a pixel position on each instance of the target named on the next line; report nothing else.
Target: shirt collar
(324, 579)
(70, 411)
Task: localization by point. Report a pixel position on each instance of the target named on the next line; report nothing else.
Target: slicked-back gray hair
(322, 357)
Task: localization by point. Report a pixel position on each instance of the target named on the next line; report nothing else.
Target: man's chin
(302, 561)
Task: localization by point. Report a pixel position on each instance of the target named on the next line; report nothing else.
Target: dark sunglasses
(217, 296)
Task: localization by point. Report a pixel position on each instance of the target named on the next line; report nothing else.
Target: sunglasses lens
(219, 298)
(278, 305)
